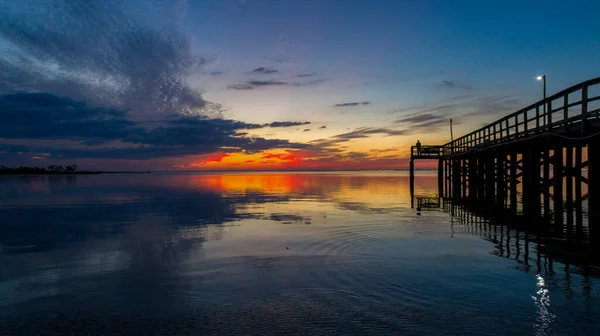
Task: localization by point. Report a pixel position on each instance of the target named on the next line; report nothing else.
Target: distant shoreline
(73, 173)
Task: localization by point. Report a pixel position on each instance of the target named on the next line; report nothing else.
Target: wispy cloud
(451, 84)
(287, 123)
(354, 104)
(255, 84)
(304, 75)
(311, 83)
(263, 71)
(215, 73)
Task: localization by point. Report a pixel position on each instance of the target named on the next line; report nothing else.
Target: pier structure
(541, 163)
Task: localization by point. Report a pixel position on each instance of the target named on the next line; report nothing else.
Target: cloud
(323, 127)
(104, 53)
(254, 84)
(241, 87)
(42, 116)
(287, 123)
(306, 75)
(311, 83)
(306, 130)
(280, 156)
(263, 71)
(215, 73)
(45, 116)
(451, 84)
(365, 132)
(352, 104)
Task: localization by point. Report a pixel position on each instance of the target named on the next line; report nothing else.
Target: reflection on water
(258, 253)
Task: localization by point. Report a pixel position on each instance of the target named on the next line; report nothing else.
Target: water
(271, 253)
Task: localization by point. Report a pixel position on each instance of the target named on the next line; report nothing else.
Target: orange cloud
(209, 158)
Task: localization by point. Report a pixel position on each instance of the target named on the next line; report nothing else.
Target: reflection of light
(542, 301)
(241, 183)
(540, 77)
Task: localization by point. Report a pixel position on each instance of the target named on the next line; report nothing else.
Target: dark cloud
(263, 71)
(306, 75)
(45, 116)
(254, 84)
(215, 73)
(311, 83)
(450, 84)
(41, 116)
(306, 130)
(101, 52)
(287, 123)
(259, 83)
(322, 127)
(352, 104)
(366, 132)
(241, 87)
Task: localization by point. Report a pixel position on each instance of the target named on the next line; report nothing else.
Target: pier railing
(426, 151)
(565, 112)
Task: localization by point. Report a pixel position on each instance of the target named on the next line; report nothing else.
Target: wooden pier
(536, 163)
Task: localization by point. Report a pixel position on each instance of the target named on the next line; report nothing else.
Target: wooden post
(473, 177)
(531, 182)
(481, 177)
(490, 178)
(500, 179)
(464, 173)
(447, 178)
(513, 181)
(440, 177)
(557, 188)
(569, 189)
(412, 176)
(456, 179)
(546, 184)
(594, 194)
(578, 192)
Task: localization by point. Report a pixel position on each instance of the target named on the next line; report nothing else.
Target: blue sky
(357, 71)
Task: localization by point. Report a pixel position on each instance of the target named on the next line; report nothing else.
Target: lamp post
(543, 79)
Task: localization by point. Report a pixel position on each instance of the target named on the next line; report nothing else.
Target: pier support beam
(594, 194)
(569, 189)
(500, 179)
(531, 182)
(440, 177)
(473, 178)
(578, 191)
(481, 177)
(513, 181)
(490, 178)
(456, 179)
(557, 188)
(412, 176)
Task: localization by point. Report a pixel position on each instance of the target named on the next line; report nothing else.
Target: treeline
(52, 169)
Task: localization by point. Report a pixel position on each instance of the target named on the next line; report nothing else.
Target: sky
(273, 85)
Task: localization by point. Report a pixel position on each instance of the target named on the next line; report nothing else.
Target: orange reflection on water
(371, 189)
(250, 182)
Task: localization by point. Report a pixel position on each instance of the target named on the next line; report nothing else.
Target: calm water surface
(301, 254)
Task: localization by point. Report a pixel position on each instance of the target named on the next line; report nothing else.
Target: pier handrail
(433, 151)
(534, 119)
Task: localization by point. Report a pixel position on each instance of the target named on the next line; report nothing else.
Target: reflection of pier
(533, 252)
(531, 164)
(426, 202)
